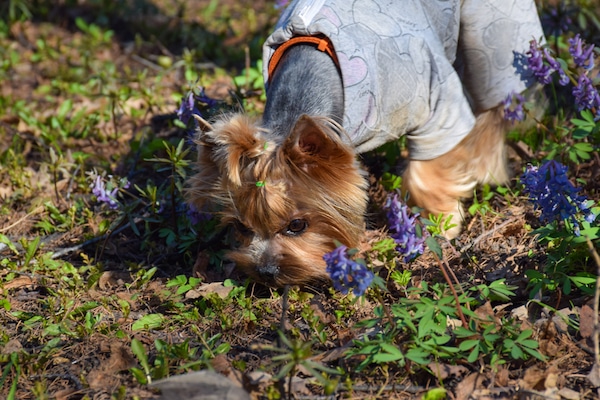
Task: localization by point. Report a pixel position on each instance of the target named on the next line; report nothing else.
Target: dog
(342, 78)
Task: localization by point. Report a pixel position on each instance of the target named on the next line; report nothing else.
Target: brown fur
(264, 184)
(292, 197)
(438, 185)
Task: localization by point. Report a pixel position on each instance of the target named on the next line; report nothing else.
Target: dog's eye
(296, 227)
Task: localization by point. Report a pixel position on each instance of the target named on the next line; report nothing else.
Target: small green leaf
(148, 322)
(435, 394)
(434, 246)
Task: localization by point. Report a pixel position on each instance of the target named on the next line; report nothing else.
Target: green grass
(102, 301)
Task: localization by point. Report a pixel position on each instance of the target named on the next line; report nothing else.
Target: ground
(98, 303)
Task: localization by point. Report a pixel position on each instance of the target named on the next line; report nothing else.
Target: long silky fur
(438, 185)
(248, 175)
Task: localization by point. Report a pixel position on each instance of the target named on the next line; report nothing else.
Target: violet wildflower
(403, 228)
(516, 113)
(194, 215)
(557, 20)
(563, 79)
(189, 107)
(582, 56)
(346, 273)
(586, 95)
(104, 196)
(535, 60)
(551, 191)
(279, 4)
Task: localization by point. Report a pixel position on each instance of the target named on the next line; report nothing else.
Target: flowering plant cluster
(194, 215)
(346, 273)
(552, 192)
(189, 107)
(544, 66)
(409, 238)
(106, 190)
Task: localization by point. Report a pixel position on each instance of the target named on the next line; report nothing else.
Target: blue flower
(104, 196)
(189, 107)
(194, 215)
(516, 114)
(535, 60)
(557, 20)
(279, 4)
(542, 64)
(586, 95)
(563, 79)
(551, 191)
(403, 228)
(582, 56)
(347, 274)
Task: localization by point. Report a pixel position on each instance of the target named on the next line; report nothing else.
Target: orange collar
(323, 44)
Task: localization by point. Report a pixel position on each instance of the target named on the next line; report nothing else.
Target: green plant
(419, 334)
(295, 353)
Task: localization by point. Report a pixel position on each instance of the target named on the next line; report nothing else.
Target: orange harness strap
(323, 44)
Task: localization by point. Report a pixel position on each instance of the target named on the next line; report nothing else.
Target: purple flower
(189, 107)
(582, 56)
(542, 64)
(279, 4)
(347, 274)
(586, 95)
(410, 244)
(104, 196)
(516, 114)
(196, 216)
(535, 60)
(563, 79)
(551, 191)
(557, 20)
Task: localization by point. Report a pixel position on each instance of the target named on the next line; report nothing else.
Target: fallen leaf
(533, 378)
(18, 282)
(569, 394)
(502, 377)
(64, 394)
(445, 371)
(12, 346)
(594, 375)
(209, 288)
(467, 386)
(258, 381)
(587, 320)
(112, 279)
(120, 358)
(200, 385)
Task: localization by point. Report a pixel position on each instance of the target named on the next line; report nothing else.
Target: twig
(146, 63)
(67, 250)
(447, 277)
(35, 211)
(486, 233)
(594, 376)
(386, 309)
(284, 309)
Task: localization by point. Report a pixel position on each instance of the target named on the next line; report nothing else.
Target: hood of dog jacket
(417, 68)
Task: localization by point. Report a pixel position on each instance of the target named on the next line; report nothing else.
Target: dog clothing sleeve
(397, 61)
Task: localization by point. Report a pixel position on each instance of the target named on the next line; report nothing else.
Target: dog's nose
(268, 272)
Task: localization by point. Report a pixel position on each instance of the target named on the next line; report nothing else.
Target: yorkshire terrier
(344, 77)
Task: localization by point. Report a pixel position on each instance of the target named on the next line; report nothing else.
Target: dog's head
(288, 197)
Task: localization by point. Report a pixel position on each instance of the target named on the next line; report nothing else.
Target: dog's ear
(311, 143)
(222, 151)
